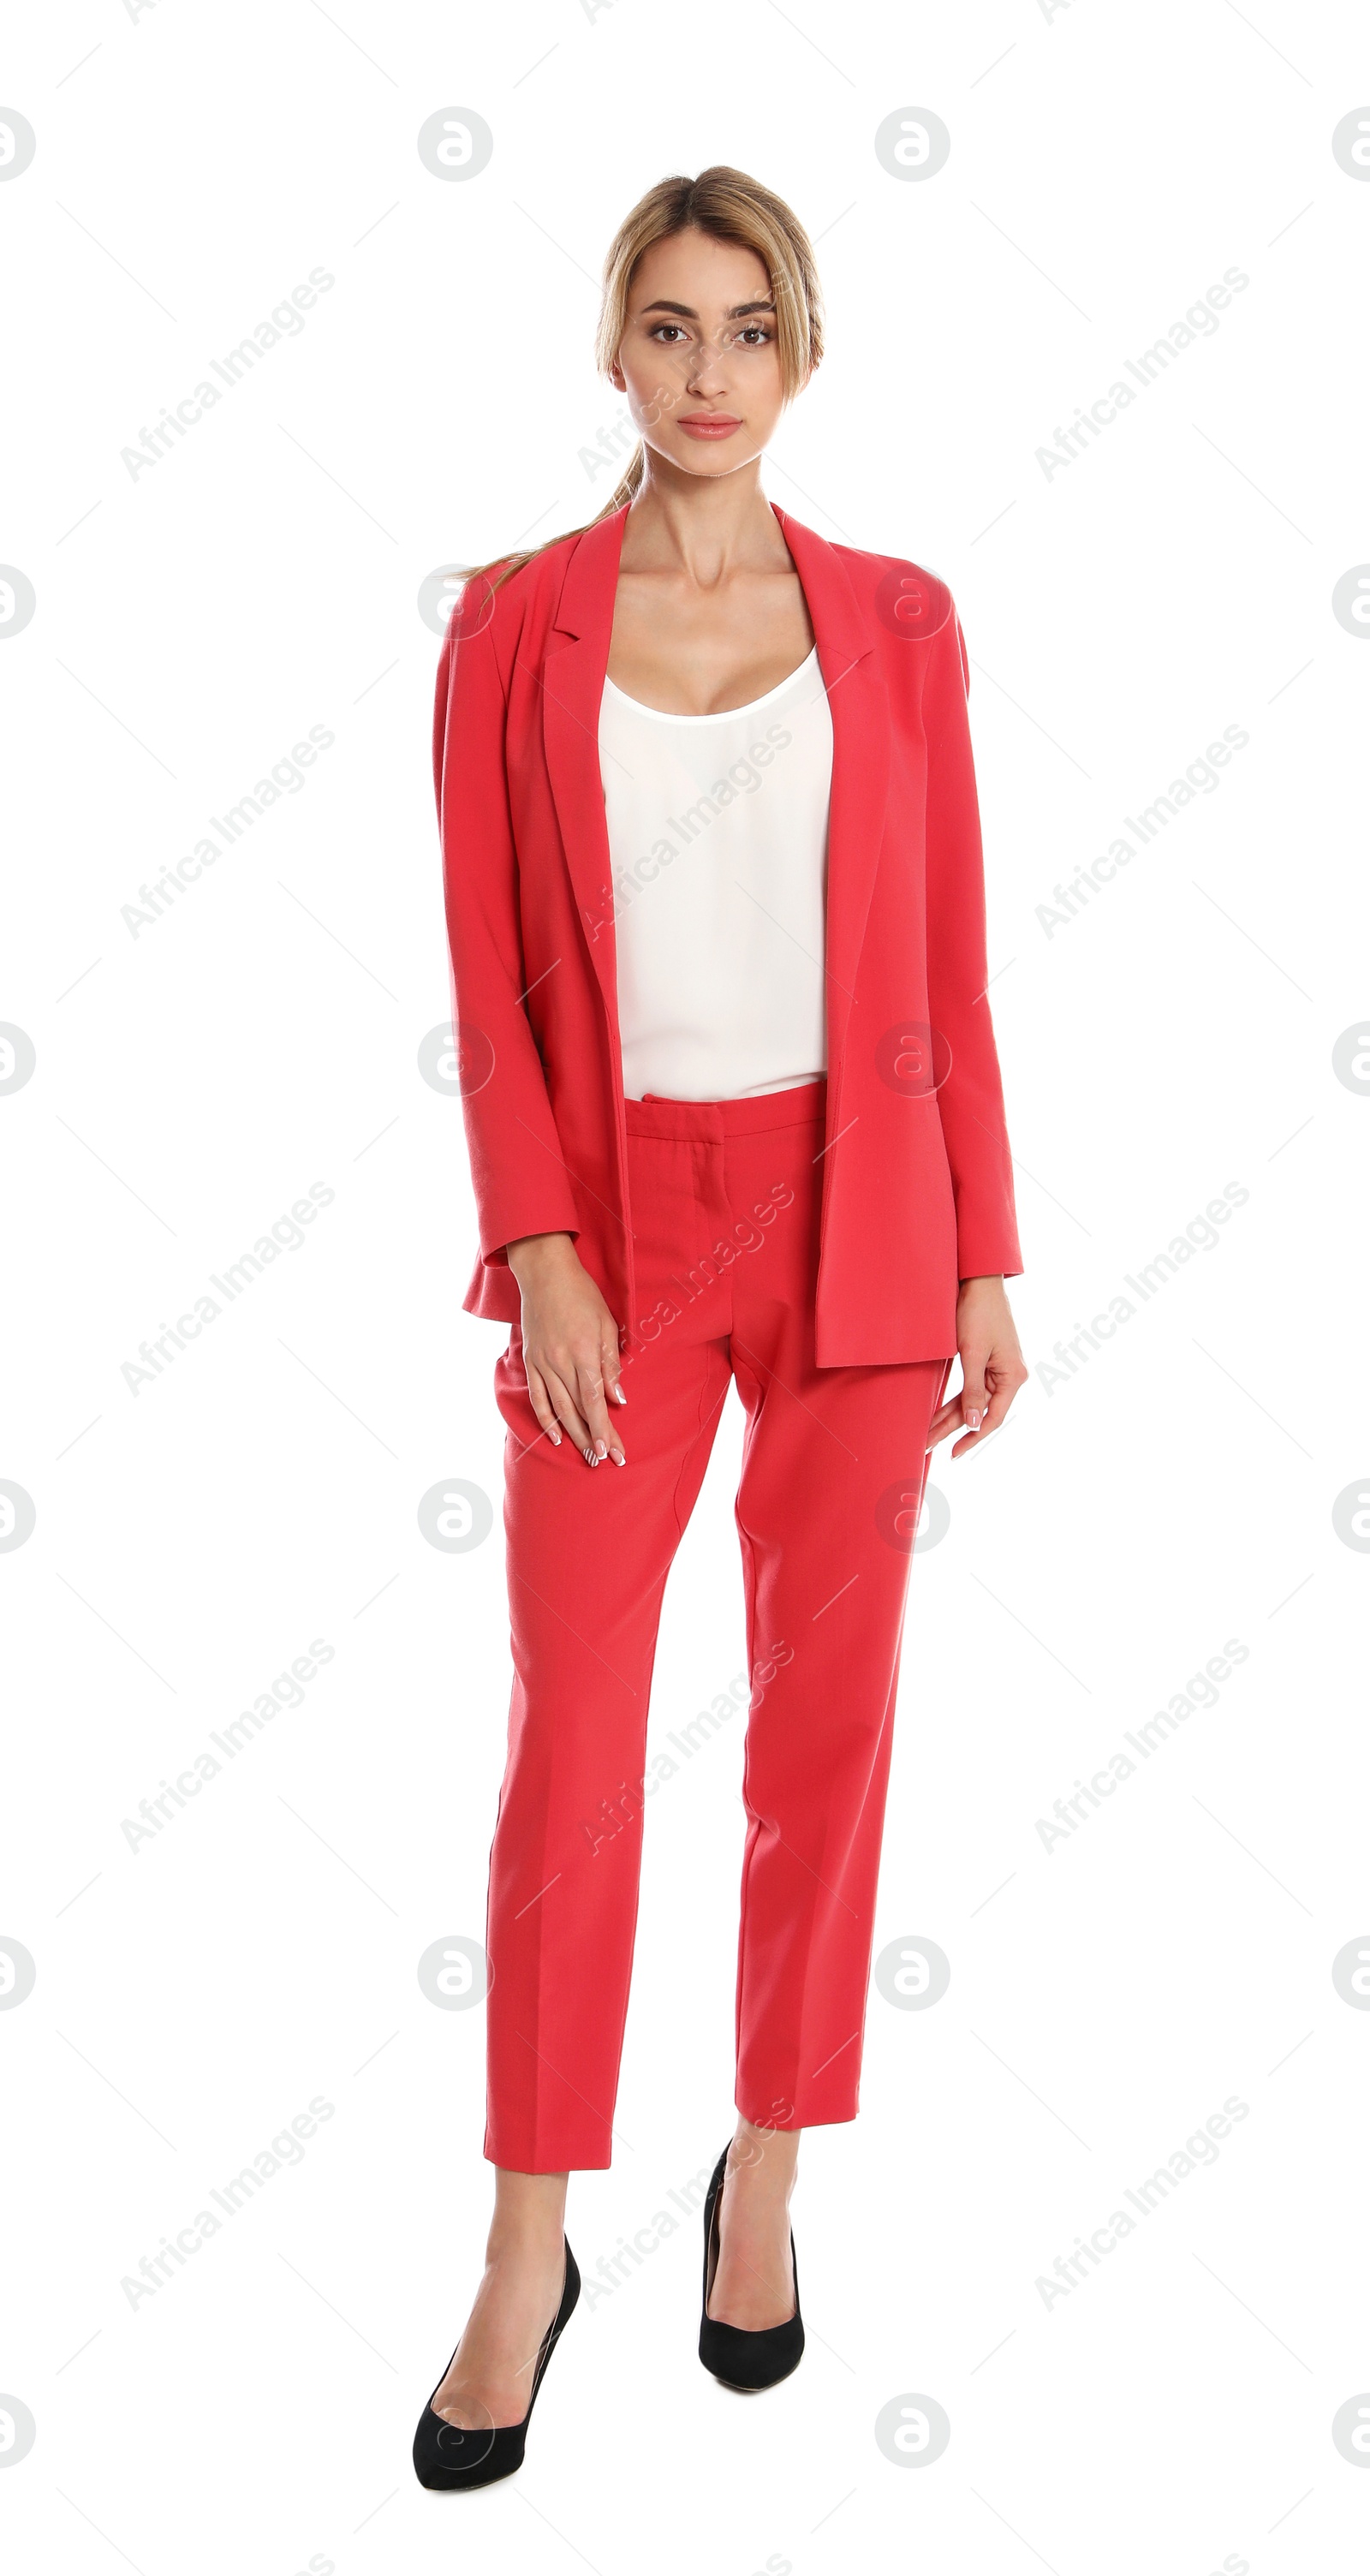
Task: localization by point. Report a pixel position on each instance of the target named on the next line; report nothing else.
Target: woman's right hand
(570, 1345)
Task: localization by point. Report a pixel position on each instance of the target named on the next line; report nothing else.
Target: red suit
(808, 1244)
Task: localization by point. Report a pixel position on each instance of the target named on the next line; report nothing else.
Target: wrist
(532, 1255)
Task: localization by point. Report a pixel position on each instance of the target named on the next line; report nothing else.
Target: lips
(704, 424)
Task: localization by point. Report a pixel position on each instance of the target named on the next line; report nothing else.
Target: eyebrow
(761, 304)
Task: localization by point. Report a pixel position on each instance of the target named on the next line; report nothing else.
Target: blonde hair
(730, 207)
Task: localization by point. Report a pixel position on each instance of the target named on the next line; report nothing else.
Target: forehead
(694, 269)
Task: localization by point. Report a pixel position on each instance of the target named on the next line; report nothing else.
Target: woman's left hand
(991, 1366)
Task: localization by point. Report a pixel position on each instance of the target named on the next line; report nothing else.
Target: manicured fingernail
(619, 1396)
(556, 1440)
(974, 1420)
(602, 1448)
(619, 1459)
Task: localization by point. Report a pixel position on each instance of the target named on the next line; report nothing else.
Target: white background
(191, 1539)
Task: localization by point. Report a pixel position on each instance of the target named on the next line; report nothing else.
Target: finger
(590, 1391)
(990, 1422)
(1009, 1383)
(973, 1388)
(611, 1361)
(541, 1404)
(612, 1365)
(613, 1389)
(566, 1413)
(946, 1419)
(1001, 1398)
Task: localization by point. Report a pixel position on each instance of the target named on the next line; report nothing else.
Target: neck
(704, 525)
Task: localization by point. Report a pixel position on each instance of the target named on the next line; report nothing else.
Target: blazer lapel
(858, 701)
(573, 683)
(576, 660)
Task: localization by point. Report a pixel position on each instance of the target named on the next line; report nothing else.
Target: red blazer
(917, 1176)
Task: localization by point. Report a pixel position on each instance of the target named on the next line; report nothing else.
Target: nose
(707, 373)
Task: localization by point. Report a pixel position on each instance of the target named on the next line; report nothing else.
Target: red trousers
(724, 1198)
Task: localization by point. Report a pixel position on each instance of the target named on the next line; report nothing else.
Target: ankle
(524, 2247)
(761, 2172)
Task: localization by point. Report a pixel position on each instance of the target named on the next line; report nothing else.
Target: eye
(659, 327)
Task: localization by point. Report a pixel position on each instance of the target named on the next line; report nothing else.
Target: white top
(718, 837)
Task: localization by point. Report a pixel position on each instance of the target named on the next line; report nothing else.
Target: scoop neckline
(720, 715)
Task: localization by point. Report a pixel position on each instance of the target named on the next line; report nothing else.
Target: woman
(715, 904)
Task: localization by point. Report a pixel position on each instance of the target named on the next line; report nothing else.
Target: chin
(709, 463)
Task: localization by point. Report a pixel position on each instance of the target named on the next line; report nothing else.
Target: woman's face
(699, 360)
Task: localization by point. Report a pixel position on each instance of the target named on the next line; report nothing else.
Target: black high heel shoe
(743, 2357)
(446, 2456)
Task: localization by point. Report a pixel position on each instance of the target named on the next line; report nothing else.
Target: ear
(617, 378)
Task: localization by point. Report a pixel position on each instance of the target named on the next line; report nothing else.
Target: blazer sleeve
(519, 1177)
(971, 1099)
